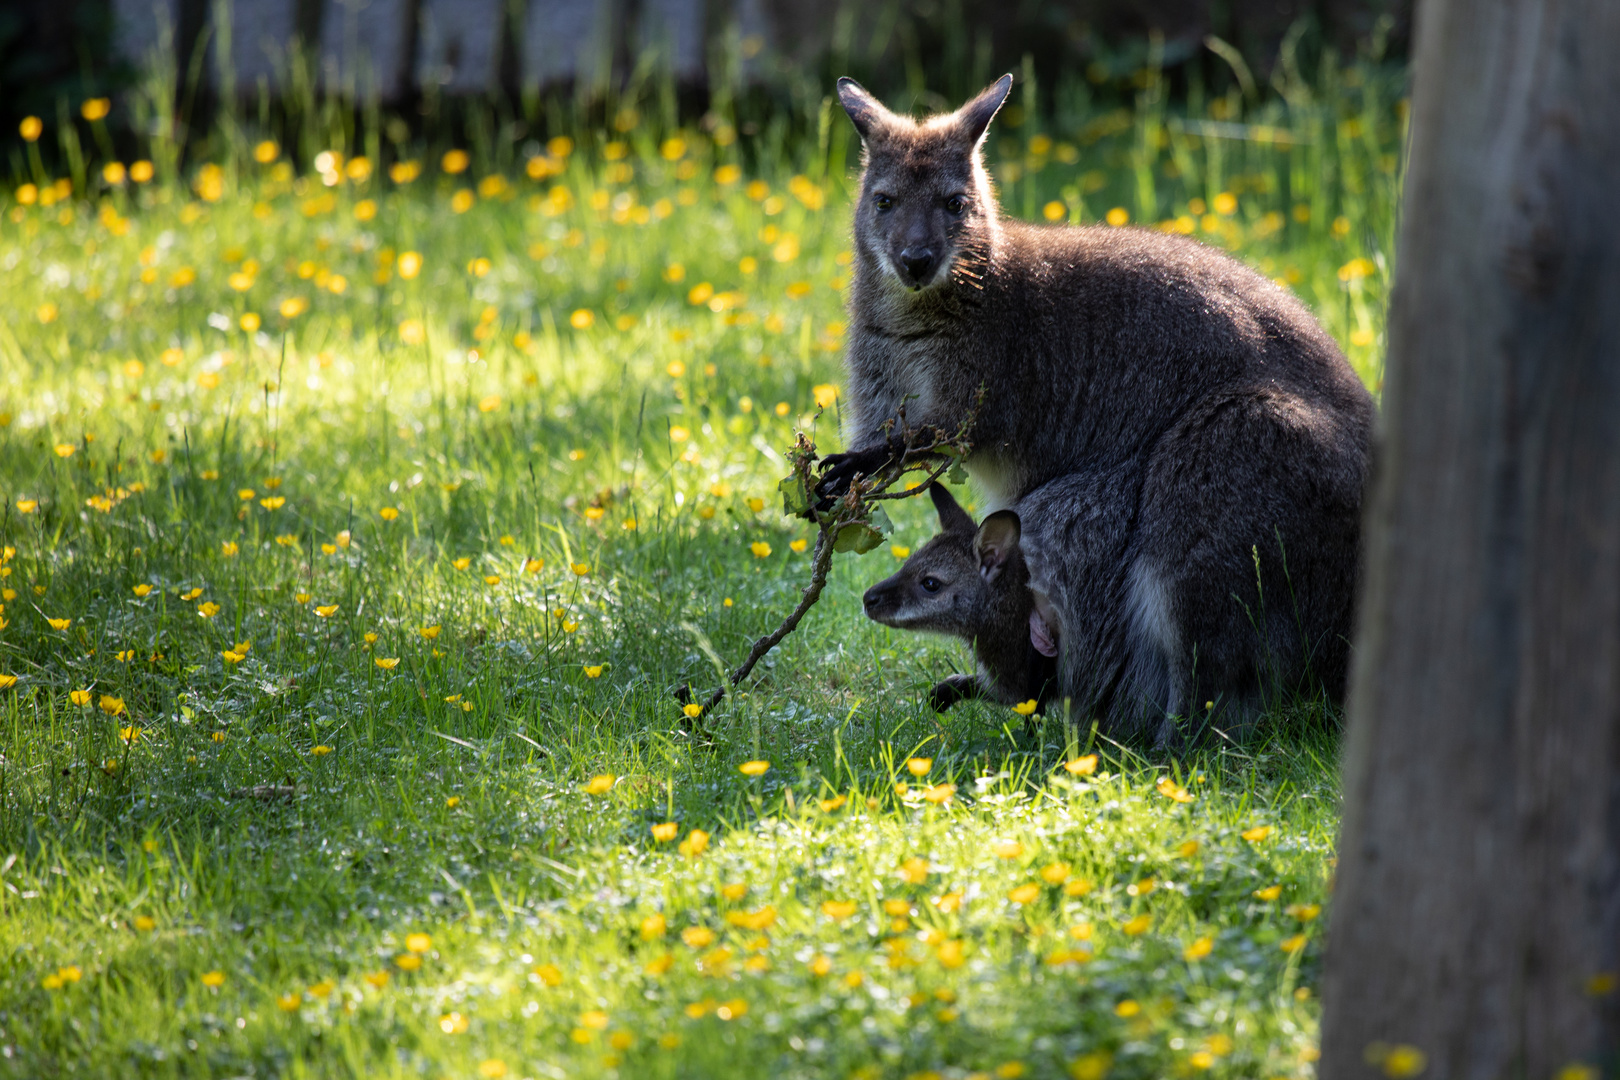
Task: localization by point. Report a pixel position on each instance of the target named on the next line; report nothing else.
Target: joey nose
(875, 600)
(918, 263)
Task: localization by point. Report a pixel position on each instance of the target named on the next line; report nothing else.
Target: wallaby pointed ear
(997, 542)
(952, 518)
(974, 117)
(866, 111)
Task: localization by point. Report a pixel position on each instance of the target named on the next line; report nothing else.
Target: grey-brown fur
(1209, 420)
(971, 582)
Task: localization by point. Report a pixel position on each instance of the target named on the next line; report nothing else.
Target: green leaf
(956, 474)
(862, 536)
(795, 495)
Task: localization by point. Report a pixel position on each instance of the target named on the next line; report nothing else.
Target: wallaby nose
(873, 600)
(918, 262)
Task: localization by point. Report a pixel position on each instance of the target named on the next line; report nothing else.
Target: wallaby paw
(839, 470)
(950, 691)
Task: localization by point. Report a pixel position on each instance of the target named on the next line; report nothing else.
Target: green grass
(166, 910)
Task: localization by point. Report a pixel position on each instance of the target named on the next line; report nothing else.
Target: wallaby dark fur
(970, 581)
(1210, 423)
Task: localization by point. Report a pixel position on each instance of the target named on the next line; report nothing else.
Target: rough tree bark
(1476, 920)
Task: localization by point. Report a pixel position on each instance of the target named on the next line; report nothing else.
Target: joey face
(925, 203)
(957, 583)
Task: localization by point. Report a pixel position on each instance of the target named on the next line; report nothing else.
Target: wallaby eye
(930, 584)
(956, 205)
(883, 202)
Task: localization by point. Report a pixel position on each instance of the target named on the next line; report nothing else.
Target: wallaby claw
(838, 471)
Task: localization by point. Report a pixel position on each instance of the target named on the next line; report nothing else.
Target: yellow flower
(1118, 216)
(1257, 834)
(27, 506)
(79, 697)
(59, 624)
(213, 979)
(429, 632)
(760, 549)
(453, 1023)
(1303, 912)
(219, 736)
(914, 871)
(692, 710)
(1292, 944)
(232, 657)
(293, 306)
(95, 108)
(917, 766)
(939, 794)
(798, 545)
(7, 681)
(594, 671)
(492, 1068)
(569, 627)
(1188, 849)
(208, 609)
(320, 751)
(326, 611)
(600, 784)
(696, 843)
(698, 937)
(1055, 873)
(1084, 765)
(753, 768)
(376, 979)
(30, 128)
(579, 568)
(582, 319)
(1199, 949)
(550, 974)
(388, 513)
(1172, 790)
(228, 548)
(412, 331)
(1026, 708)
(492, 579)
(1269, 893)
(127, 734)
(1025, 894)
(1007, 849)
(834, 803)
(533, 566)
(408, 962)
(1138, 925)
(387, 663)
(418, 943)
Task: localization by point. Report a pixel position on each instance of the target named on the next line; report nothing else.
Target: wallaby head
(967, 581)
(926, 209)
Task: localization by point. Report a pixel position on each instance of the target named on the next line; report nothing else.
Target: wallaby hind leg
(1250, 521)
(951, 690)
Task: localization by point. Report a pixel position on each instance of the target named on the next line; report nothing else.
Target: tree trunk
(1476, 921)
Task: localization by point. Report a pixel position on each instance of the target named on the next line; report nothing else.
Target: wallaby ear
(952, 518)
(866, 111)
(974, 117)
(997, 543)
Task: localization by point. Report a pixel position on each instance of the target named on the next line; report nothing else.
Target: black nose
(873, 599)
(918, 263)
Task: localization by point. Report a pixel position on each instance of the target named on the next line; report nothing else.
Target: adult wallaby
(1228, 426)
(970, 581)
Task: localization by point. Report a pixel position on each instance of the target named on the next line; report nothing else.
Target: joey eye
(931, 584)
(883, 202)
(956, 205)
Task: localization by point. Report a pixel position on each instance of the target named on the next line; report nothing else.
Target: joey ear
(866, 111)
(997, 543)
(974, 117)
(952, 518)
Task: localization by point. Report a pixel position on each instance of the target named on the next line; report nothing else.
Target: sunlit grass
(361, 522)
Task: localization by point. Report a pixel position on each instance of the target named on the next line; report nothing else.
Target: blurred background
(542, 64)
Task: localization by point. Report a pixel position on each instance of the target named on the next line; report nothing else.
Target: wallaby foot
(954, 689)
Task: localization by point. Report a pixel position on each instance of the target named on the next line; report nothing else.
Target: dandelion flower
(754, 768)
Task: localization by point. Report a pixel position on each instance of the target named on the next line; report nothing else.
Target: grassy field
(361, 517)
